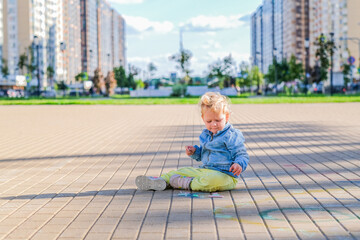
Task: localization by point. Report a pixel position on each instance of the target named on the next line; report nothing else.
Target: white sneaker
(150, 183)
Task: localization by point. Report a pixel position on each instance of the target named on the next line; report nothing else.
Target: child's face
(214, 121)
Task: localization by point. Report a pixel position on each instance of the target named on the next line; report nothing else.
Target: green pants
(205, 180)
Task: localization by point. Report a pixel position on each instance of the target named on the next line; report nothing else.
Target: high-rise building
(70, 48)
(328, 17)
(118, 40)
(55, 68)
(268, 33)
(32, 28)
(62, 37)
(295, 28)
(1, 31)
(105, 33)
(352, 36)
(89, 36)
(257, 38)
(122, 47)
(10, 52)
(278, 29)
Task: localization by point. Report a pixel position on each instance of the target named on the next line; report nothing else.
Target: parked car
(3, 93)
(355, 86)
(21, 93)
(317, 87)
(75, 93)
(48, 94)
(11, 93)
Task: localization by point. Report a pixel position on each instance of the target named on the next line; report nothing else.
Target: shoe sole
(145, 183)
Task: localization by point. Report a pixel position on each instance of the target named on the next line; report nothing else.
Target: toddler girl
(221, 151)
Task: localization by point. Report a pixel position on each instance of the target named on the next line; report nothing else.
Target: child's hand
(236, 169)
(190, 150)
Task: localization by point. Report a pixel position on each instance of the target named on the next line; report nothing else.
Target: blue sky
(212, 29)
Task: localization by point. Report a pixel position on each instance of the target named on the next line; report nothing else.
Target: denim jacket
(221, 150)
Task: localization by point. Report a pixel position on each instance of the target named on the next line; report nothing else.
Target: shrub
(179, 90)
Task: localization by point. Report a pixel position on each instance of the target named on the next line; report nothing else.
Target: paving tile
(77, 179)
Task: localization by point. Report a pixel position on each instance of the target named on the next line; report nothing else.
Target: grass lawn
(127, 100)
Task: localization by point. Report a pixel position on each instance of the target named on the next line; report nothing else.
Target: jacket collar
(227, 126)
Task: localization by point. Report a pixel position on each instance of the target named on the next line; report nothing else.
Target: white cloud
(126, 1)
(141, 24)
(212, 23)
(211, 44)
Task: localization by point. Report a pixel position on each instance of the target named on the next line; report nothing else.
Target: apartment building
(70, 47)
(352, 36)
(118, 40)
(257, 38)
(122, 46)
(105, 31)
(295, 28)
(89, 36)
(268, 34)
(1, 31)
(31, 28)
(10, 51)
(278, 29)
(66, 36)
(329, 17)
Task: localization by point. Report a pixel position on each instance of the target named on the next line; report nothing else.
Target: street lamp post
(89, 63)
(258, 55)
(62, 49)
(306, 82)
(108, 55)
(36, 41)
(275, 69)
(332, 63)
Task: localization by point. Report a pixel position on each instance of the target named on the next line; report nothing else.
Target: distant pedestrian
(221, 151)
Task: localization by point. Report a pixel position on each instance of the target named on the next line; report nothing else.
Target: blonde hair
(215, 102)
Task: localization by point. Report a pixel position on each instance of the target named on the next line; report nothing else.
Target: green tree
(4, 68)
(325, 48)
(120, 76)
(286, 71)
(62, 86)
(83, 76)
(244, 79)
(133, 71)
(296, 70)
(31, 66)
(152, 69)
(257, 77)
(183, 60)
(23, 62)
(222, 69)
(270, 76)
(346, 70)
(139, 84)
(50, 72)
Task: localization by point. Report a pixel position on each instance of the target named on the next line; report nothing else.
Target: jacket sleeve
(197, 154)
(235, 145)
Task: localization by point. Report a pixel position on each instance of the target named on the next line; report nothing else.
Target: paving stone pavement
(67, 172)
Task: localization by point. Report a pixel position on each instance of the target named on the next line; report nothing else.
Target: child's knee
(212, 183)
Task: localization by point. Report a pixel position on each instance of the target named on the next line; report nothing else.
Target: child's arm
(235, 145)
(236, 169)
(194, 152)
